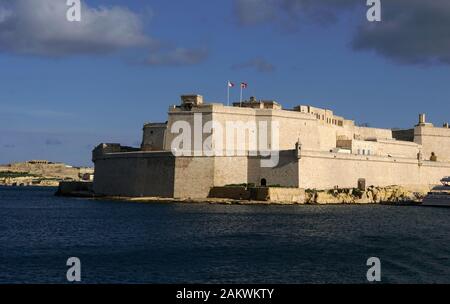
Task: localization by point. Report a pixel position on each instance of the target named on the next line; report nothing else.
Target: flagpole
(240, 101)
(228, 93)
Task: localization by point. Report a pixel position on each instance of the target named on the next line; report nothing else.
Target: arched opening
(263, 182)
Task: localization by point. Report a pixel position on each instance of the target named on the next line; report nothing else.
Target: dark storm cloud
(252, 12)
(411, 31)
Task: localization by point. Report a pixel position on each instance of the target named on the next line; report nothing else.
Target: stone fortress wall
(134, 174)
(317, 150)
(320, 170)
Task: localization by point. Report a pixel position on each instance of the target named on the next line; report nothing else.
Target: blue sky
(64, 90)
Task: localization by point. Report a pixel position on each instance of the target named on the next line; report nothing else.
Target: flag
(244, 85)
(230, 84)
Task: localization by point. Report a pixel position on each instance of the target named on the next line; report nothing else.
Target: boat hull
(436, 202)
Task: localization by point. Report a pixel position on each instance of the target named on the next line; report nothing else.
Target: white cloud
(41, 28)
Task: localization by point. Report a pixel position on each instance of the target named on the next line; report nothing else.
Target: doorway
(263, 182)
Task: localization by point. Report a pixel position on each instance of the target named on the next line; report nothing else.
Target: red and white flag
(244, 85)
(230, 84)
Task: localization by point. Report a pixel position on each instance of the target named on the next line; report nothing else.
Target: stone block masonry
(316, 148)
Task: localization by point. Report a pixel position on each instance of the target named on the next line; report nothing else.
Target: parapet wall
(371, 133)
(147, 174)
(135, 174)
(319, 170)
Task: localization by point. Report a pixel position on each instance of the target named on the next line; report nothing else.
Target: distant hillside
(41, 173)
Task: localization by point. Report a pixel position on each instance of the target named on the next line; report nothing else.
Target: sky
(67, 86)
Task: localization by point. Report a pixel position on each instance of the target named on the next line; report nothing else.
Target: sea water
(118, 242)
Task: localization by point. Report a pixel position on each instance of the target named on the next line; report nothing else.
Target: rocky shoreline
(222, 201)
(372, 195)
(29, 181)
(390, 195)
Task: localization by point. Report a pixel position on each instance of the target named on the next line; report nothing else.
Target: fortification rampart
(135, 174)
(321, 170)
(330, 151)
(161, 174)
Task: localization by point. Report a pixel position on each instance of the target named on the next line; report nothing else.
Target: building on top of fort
(316, 148)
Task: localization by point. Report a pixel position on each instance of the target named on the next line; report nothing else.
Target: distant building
(38, 162)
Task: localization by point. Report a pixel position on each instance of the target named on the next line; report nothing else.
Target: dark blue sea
(121, 242)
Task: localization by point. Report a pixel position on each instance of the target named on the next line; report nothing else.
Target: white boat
(440, 195)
